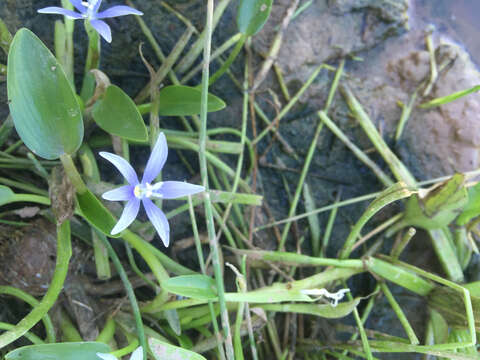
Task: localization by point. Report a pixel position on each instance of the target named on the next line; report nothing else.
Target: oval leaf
(43, 104)
(59, 351)
(193, 286)
(179, 100)
(117, 114)
(92, 210)
(6, 195)
(164, 351)
(252, 15)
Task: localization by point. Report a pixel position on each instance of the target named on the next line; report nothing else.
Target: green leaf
(95, 213)
(472, 209)
(6, 195)
(179, 100)
(194, 286)
(252, 15)
(118, 115)
(164, 351)
(59, 351)
(439, 206)
(43, 104)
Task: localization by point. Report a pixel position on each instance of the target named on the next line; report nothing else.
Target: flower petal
(79, 6)
(157, 159)
(158, 219)
(123, 166)
(106, 356)
(137, 354)
(96, 5)
(119, 10)
(176, 189)
(129, 214)
(60, 11)
(122, 193)
(103, 29)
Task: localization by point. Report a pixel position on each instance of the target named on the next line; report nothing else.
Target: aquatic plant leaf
(59, 351)
(193, 286)
(43, 104)
(179, 100)
(164, 351)
(6, 195)
(95, 213)
(252, 15)
(117, 114)
(472, 209)
(439, 207)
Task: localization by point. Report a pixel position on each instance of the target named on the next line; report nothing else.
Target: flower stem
(204, 173)
(201, 260)
(92, 62)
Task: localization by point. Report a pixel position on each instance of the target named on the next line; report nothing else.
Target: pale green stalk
(238, 171)
(198, 246)
(214, 247)
(400, 314)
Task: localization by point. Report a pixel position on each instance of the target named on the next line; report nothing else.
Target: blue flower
(136, 192)
(89, 10)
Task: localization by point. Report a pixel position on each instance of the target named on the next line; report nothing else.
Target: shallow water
(456, 18)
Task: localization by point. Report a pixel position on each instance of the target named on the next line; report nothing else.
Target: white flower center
(90, 4)
(147, 190)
